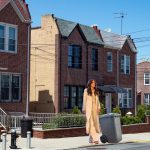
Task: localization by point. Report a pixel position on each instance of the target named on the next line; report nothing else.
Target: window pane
(73, 102)
(147, 81)
(146, 99)
(122, 64)
(15, 87)
(66, 96)
(147, 75)
(5, 87)
(94, 58)
(127, 64)
(109, 61)
(2, 38)
(66, 102)
(125, 100)
(73, 91)
(12, 34)
(66, 91)
(74, 56)
(80, 96)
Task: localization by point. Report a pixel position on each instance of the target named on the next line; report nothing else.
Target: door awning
(112, 89)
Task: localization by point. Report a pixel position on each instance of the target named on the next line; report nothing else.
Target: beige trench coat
(87, 108)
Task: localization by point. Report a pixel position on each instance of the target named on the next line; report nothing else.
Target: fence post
(28, 139)
(0, 136)
(4, 141)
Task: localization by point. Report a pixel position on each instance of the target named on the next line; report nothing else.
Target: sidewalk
(71, 142)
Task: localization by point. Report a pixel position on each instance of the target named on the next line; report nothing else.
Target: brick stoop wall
(59, 133)
(137, 128)
(80, 131)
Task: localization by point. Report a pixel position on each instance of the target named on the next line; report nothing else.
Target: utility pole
(121, 16)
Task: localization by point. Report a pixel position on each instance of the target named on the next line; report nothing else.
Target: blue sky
(136, 21)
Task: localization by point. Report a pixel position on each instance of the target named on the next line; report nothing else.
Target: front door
(108, 102)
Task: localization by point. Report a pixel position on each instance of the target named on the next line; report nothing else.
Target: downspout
(86, 62)
(117, 75)
(59, 74)
(135, 91)
(28, 72)
(117, 68)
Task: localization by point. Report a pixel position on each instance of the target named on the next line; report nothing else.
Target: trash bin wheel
(103, 139)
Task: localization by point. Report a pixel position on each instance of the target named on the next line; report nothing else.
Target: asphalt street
(121, 146)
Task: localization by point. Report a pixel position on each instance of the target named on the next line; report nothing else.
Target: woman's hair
(89, 91)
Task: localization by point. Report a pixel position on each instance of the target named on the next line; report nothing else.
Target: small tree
(141, 111)
(76, 110)
(102, 111)
(117, 110)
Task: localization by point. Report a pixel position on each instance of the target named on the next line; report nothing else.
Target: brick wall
(141, 88)
(16, 63)
(72, 76)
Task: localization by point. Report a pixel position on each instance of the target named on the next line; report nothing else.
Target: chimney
(96, 30)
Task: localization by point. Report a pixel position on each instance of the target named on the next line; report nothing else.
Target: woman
(91, 107)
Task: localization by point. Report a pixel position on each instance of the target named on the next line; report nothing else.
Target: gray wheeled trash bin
(110, 128)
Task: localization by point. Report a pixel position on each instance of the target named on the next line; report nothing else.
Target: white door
(108, 102)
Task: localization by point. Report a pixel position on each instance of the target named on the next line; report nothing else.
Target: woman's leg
(94, 135)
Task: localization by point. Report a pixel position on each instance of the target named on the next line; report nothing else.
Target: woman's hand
(83, 111)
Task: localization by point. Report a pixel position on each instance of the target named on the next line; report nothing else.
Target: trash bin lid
(110, 115)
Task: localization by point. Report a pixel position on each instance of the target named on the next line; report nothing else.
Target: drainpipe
(28, 72)
(86, 62)
(117, 67)
(59, 74)
(135, 84)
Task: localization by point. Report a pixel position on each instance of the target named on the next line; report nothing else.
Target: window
(146, 78)
(2, 37)
(80, 96)
(125, 64)
(147, 99)
(5, 87)
(74, 56)
(8, 38)
(66, 96)
(125, 99)
(73, 96)
(10, 87)
(109, 62)
(94, 57)
(16, 87)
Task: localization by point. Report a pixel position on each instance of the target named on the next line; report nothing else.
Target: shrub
(141, 111)
(116, 110)
(147, 112)
(125, 120)
(51, 125)
(76, 110)
(102, 111)
(66, 121)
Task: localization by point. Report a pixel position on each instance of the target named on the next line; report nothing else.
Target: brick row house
(143, 83)
(15, 33)
(65, 55)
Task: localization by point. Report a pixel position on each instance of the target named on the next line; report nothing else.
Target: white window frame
(147, 78)
(121, 97)
(109, 62)
(10, 87)
(148, 99)
(124, 64)
(6, 35)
